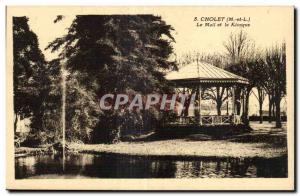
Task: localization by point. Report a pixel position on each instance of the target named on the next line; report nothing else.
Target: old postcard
(150, 98)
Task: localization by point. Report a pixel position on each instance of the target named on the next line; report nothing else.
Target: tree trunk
(273, 109)
(238, 100)
(219, 105)
(196, 108)
(219, 99)
(270, 109)
(15, 123)
(260, 113)
(261, 98)
(278, 117)
(246, 116)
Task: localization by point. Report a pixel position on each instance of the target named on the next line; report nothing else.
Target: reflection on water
(119, 166)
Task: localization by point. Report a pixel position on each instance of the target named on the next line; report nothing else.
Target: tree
(275, 61)
(261, 94)
(82, 109)
(238, 47)
(35, 84)
(128, 54)
(258, 79)
(216, 94)
(28, 72)
(269, 88)
(215, 59)
(241, 61)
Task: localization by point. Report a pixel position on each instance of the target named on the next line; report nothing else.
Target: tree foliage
(115, 54)
(34, 81)
(265, 70)
(275, 69)
(28, 59)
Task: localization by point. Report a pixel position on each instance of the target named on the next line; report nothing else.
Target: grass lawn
(25, 151)
(263, 141)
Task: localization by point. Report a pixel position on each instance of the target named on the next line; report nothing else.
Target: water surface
(120, 166)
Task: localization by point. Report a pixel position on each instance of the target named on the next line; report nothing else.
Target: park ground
(263, 141)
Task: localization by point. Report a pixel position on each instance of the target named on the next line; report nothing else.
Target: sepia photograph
(175, 98)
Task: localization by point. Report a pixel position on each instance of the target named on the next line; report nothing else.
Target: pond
(123, 166)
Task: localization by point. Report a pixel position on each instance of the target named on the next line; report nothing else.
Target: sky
(268, 26)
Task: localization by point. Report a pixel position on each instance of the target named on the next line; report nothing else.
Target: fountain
(63, 116)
